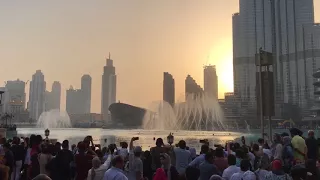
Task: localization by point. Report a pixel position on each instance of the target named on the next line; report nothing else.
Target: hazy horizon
(66, 39)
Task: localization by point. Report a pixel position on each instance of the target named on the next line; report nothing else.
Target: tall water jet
(54, 119)
(199, 112)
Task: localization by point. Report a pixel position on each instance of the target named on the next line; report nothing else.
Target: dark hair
(245, 165)
(182, 144)
(192, 173)
(116, 160)
(38, 139)
(65, 144)
(232, 160)
(208, 156)
(32, 140)
(255, 147)
(219, 152)
(159, 142)
(240, 153)
(260, 141)
(111, 148)
(124, 145)
(6, 145)
(236, 146)
(204, 149)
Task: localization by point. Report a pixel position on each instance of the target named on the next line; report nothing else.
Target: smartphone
(136, 138)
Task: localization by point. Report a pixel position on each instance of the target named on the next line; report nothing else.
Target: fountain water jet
(54, 119)
(200, 112)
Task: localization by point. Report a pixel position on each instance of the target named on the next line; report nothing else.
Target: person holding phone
(135, 162)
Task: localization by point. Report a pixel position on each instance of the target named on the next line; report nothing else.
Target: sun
(221, 57)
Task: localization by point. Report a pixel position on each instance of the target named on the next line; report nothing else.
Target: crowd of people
(287, 157)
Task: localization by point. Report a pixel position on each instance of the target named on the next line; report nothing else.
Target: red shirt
(83, 164)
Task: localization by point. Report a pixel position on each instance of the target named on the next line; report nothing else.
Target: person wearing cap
(135, 162)
(277, 171)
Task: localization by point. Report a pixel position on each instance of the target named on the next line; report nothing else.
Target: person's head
(111, 148)
(240, 154)
(81, 147)
(192, 173)
(295, 132)
(73, 146)
(146, 154)
(16, 140)
(117, 162)
(32, 140)
(137, 151)
(182, 144)
(232, 160)
(216, 177)
(96, 163)
(245, 165)
(6, 147)
(236, 146)
(256, 149)
(99, 153)
(209, 157)
(219, 152)
(277, 138)
(65, 144)
(299, 173)
(38, 140)
(276, 165)
(124, 145)
(159, 142)
(204, 149)
(165, 160)
(42, 177)
(311, 134)
(261, 141)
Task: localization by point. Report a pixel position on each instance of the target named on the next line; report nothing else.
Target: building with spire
(109, 84)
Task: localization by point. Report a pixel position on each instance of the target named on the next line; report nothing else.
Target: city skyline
(30, 41)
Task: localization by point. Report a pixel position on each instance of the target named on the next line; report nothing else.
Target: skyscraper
(52, 99)
(37, 95)
(17, 96)
(168, 88)
(56, 94)
(210, 81)
(192, 89)
(86, 90)
(275, 26)
(109, 83)
(74, 101)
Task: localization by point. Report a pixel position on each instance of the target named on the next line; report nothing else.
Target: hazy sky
(66, 39)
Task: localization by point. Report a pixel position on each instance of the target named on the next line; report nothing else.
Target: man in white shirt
(232, 169)
(115, 172)
(244, 167)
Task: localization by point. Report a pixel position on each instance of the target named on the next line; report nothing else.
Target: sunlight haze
(66, 39)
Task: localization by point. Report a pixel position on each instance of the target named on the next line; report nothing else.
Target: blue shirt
(183, 158)
(207, 170)
(197, 161)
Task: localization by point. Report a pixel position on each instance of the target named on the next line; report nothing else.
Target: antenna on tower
(206, 64)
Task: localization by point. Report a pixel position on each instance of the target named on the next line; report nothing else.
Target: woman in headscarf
(97, 171)
(170, 171)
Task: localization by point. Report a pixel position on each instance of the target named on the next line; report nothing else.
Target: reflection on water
(146, 137)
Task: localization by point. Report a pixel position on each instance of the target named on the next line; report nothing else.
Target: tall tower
(168, 88)
(37, 95)
(86, 82)
(275, 26)
(109, 83)
(56, 95)
(210, 81)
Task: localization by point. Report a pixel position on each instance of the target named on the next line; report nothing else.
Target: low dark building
(126, 115)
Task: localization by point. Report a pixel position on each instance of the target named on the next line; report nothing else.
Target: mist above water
(54, 119)
(196, 113)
